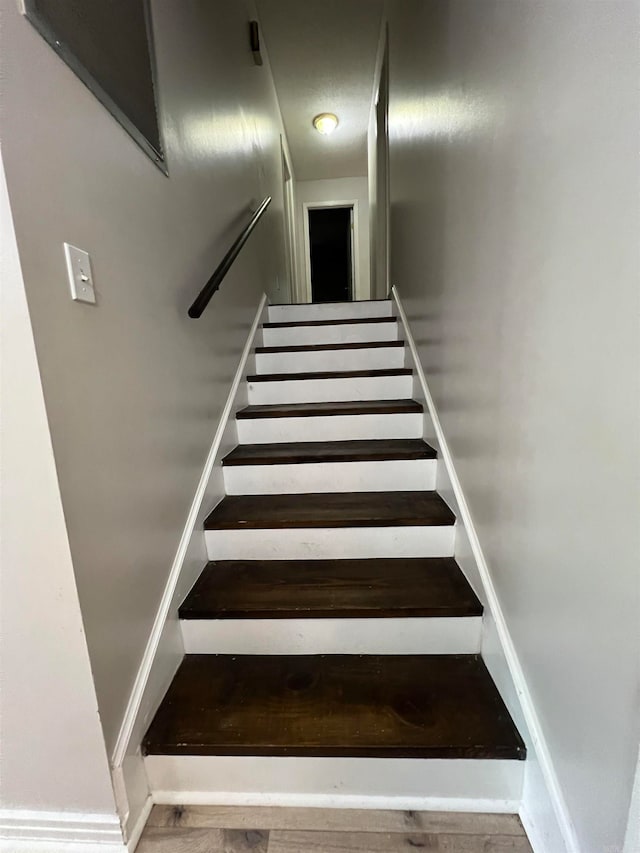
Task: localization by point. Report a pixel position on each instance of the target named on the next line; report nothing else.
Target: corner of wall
(543, 809)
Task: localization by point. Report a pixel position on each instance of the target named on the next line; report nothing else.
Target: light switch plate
(80, 275)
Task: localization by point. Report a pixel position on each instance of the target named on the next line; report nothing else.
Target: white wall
(515, 219)
(53, 753)
(133, 388)
(335, 189)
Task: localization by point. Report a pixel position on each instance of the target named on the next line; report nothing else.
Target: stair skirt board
(458, 784)
(330, 428)
(330, 390)
(341, 333)
(302, 543)
(330, 311)
(384, 475)
(450, 635)
(361, 358)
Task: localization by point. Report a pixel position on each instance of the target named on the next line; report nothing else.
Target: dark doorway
(330, 230)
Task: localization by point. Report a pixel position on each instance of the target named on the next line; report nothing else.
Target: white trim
(402, 635)
(289, 210)
(537, 741)
(327, 543)
(362, 358)
(382, 65)
(330, 428)
(355, 243)
(338, 782)
(138, 828)
(340, 801)
(331, 333)
(382, 475)
(330, 310)
(348, 389)
(632, 834)
(135, 700)
(26, 825)
(21, 845)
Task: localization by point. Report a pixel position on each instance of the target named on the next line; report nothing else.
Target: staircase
(333, 643)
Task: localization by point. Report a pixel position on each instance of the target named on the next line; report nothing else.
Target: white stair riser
(388, 475)
(364, 358)
(330, 390)
(319, 543)
(461, 784)
(330, 428)
(394, 636)
(329, 311)
(343, 333)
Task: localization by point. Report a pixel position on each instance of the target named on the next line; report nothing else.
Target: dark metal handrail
(202, 299)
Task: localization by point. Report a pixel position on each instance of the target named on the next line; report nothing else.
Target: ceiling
(323, 56)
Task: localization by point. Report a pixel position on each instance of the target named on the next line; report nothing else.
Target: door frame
(355, 242)
(289, 208)
(380, 173)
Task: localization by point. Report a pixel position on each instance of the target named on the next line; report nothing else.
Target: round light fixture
(325, 123)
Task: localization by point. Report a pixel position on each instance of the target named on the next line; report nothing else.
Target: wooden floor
(208, 829)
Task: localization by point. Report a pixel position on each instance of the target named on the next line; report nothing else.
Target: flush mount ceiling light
(325, 123)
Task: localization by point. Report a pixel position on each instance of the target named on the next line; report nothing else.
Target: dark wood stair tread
(322, 347)
(316, 589)
(349, 407)
(352, 321)
(339, 509)
(300, 452)
(335, 374)
(378, 706)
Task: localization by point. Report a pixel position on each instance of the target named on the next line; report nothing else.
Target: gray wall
(133, 388)
(515, 219)
(53, 755)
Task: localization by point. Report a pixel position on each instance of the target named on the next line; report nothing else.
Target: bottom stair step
(367, 706)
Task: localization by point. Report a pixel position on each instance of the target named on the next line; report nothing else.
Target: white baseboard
(632, 834)
(138, 827)
(22, 831)
(164, 649)
(340, 801)
(543, 810)
(23, 846)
